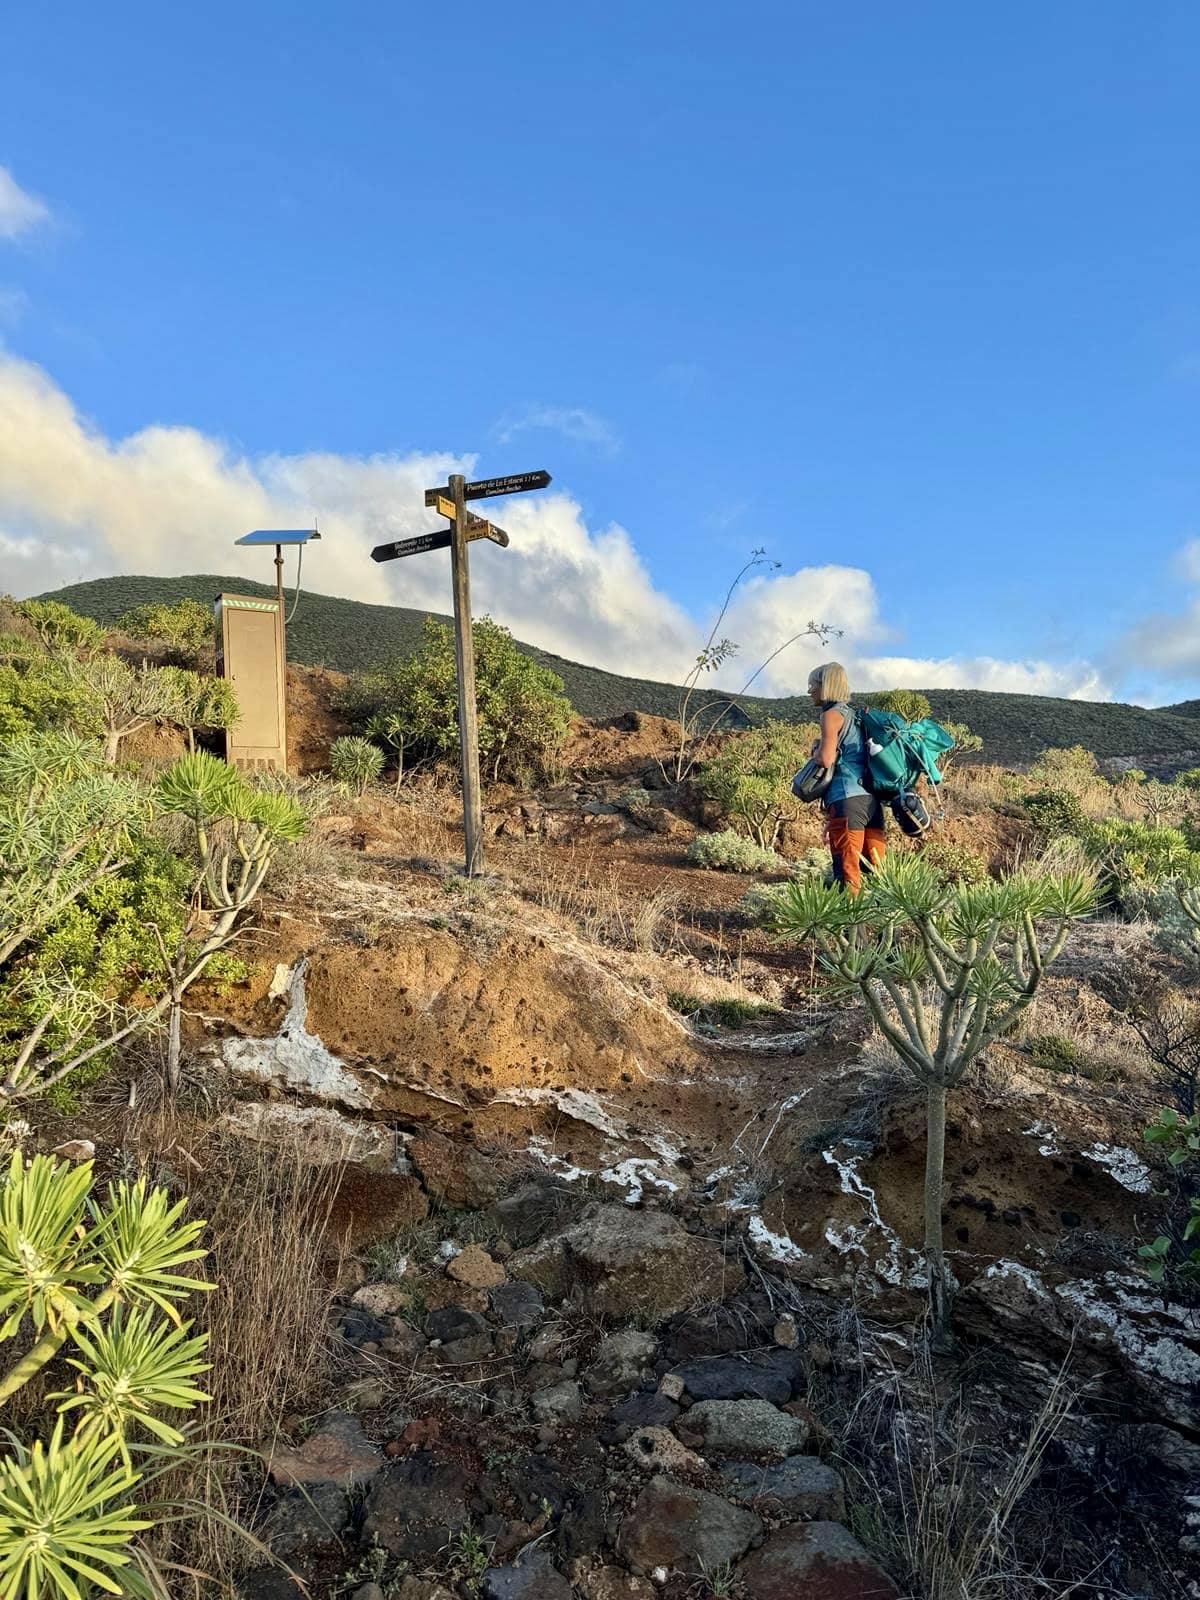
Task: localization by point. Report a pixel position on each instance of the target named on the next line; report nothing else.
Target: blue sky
(908, 294)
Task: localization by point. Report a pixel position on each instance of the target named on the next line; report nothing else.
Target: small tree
(966, 743)
(200, 701)
(59, 628)
(355, 762)
(1073, 769)
(99, 1277)
(387, 728)
(237, 831)
(751, 777)
(945, 970)
(119, 699)
(910, 704)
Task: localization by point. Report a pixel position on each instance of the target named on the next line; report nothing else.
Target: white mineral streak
(296, 1059)
(897, 1265)
(1129, 1170)
(775, 1246)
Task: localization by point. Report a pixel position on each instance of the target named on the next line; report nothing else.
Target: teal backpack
(900, 753)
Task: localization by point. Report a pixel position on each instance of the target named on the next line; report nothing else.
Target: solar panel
(279, 536)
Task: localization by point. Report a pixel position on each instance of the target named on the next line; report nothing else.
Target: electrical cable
(299, 570)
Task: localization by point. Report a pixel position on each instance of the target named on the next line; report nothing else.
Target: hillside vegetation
(348, 636)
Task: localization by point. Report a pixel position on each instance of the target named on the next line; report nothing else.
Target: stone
(621, 1263)
(455, 1174)
(716, 1330)
(338, 1452)
(453, 1322)
(360, 1327)
(609, 1583)
(639, 1411)
(546, 1344)
(562, 1403)
(819, 1560)
(270, 1583)
(476, 1269)
(467, 1352)
(422, 1589)
(308, 1521)
(317, 1134)
(530, 1211)
(672, 1387)
(658, 1450)
(786, 1334)
(517, 1305)
(623, 1362)
(583, 1526)
(381, 1299)
(404, 1342)
(801, 1486)
(759, 1375)
(366, 1394)
(534, 1578)
(368, 1591)
(416, 1506)
(738, 1428)
(676, 1526)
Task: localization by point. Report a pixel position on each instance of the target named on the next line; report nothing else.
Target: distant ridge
(349, 635)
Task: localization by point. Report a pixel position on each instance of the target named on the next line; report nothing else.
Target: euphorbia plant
(945, 970)
(99, 1278)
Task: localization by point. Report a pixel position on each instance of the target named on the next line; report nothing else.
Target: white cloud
(573, 422)
(19, 211)
(1165, 647)
(75, 504)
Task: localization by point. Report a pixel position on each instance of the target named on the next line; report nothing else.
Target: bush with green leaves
(757, 905)
(58, 627)
(186, 627)
(523, 712)
(945, 970)
(1054, 813)
(1172, 1256)
(96, 1280)
(955, 863)
(751, 777)
(1188, 779)
(1074, 770)
(1137, 855)
(116, 699)
(732, 852)
(355, 762)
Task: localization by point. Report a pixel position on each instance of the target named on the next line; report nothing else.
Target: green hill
(349, 635)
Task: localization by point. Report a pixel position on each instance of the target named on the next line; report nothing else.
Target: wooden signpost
(465, 528)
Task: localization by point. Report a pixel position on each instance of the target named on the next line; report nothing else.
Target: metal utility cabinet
(250, 655)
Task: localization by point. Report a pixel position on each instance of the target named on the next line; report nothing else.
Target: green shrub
(732, 852)
(1173, 930)
(1054, 1052)
(751, 778)
(1074, 769)
(524, 715)
(726, 1013)
(954, 863)
(1189, 779)
(58, 627)
(1054, 813)
(95, 1278)
(187, 626)
(1172, 1257)
(355, 762)
(1137, 854)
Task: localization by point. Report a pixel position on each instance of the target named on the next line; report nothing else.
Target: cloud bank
(76, 504)
(19, 212)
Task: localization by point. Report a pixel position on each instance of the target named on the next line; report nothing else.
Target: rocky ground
(625, 1239)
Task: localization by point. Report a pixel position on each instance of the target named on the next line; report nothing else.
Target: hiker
(854, 820)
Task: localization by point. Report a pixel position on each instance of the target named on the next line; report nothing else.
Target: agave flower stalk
(944, 971)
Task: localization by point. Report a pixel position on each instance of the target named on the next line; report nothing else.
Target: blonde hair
(829, 682)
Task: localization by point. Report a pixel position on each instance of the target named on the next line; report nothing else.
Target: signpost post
(451, 503)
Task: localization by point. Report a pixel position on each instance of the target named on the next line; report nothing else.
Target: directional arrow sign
(484, 488)
(477, 529)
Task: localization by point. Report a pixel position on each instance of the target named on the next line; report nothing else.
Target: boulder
(671, 1525)
(801, 1487)
(517, 1305)
(381, 1299)
(448, 1323)
(475, 1269)
(416, 1507)
(819, 1560)
(560, 1403)
(739, 1428)
(623, 1362)
(339, 1452)
(533, 1578)
(620, 1263)
(609, 1583)
(455, 1174)
(530, 1211)
(639, 1411)
(317, 1134)
(773, 1375)
(308, 1522)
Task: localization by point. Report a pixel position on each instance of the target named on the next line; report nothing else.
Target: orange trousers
(850, 845)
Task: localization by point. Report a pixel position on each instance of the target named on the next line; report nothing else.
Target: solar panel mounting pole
(464, 660)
